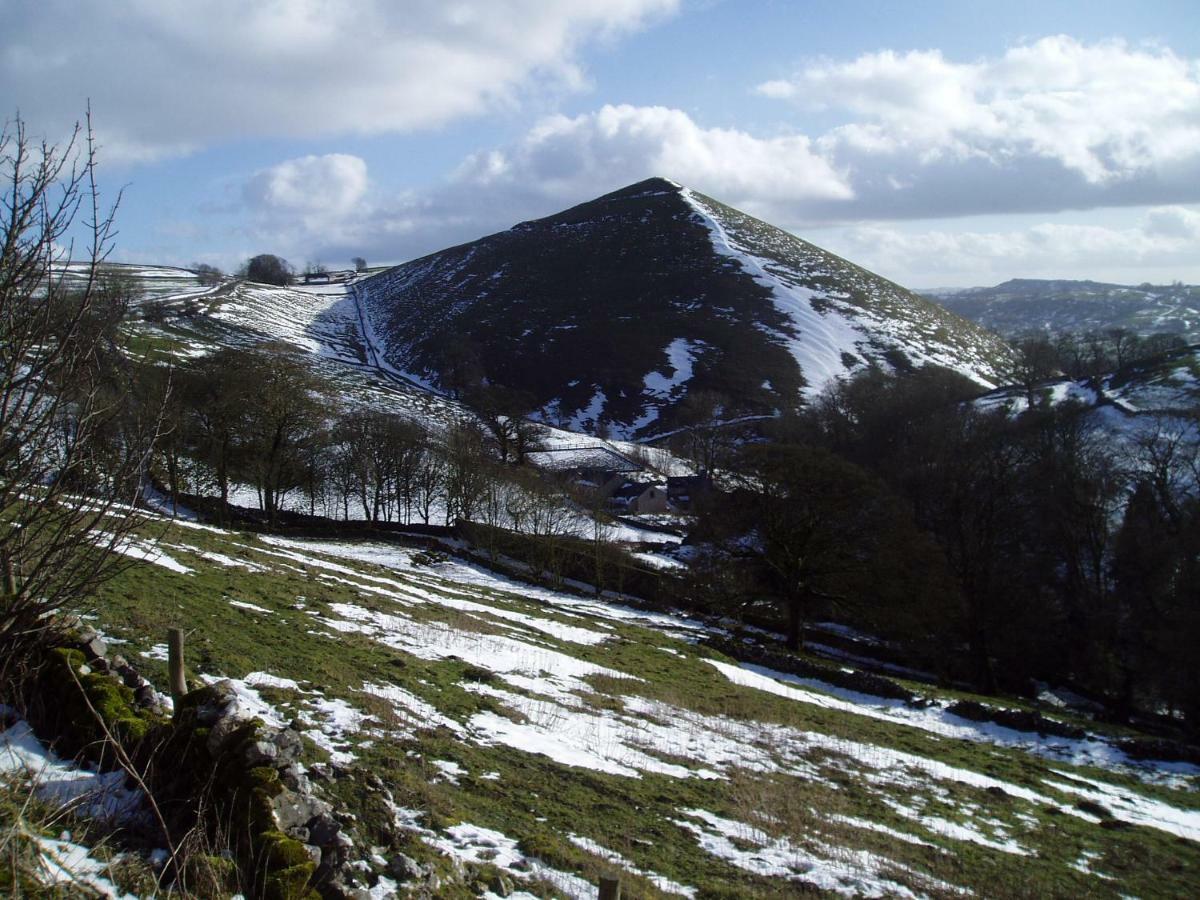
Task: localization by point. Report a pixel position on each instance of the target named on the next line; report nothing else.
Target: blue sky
(938, 143)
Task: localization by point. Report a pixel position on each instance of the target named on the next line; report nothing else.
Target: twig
(127, 766)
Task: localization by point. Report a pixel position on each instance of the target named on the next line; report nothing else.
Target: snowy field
(496, 676)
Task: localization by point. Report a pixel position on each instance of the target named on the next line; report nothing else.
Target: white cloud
(1105, 111)
(617, 145)
(1053, 124)
(165, 76)
(329, 186)
(1160, 245)
(318, 207)
(1175, 223)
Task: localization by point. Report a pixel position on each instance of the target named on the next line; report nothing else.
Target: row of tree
(1002, 549)
(1082, 355)
(267, 268)
(258, 417)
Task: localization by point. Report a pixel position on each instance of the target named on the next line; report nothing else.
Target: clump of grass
(27, 868)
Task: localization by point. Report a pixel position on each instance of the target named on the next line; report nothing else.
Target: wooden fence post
(610, 887)
(175, 664)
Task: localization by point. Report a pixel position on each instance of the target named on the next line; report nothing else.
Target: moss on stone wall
(79, 705)
(201, 764)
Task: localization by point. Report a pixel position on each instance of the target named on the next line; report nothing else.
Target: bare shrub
(73, 444)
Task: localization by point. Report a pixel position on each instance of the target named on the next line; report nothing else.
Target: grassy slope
(808, 776)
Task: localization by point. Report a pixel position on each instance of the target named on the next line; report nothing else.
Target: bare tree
(467, 471)
(429, 481)
(218, 390)
(702, 438)
(383, 451)
(285, 414)
(503, 412)
(72, 451)
(1036, 361)
(1124, 345)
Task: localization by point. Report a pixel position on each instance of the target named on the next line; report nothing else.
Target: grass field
(547, 738)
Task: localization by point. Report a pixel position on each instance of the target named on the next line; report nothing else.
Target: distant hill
(1025, 304)
(608, 315)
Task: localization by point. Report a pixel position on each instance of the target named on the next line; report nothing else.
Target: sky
(939, 144)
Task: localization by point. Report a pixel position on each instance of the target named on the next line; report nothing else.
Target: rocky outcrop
(1017, 719)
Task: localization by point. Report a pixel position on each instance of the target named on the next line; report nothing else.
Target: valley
(537, 451)
(493, 712)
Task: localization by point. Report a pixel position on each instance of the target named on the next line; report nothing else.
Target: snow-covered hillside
(1029, 304)
(1166, 387)
(839, 312)
(551, 736)
(325, 324)
(147, 283)
(611, 314)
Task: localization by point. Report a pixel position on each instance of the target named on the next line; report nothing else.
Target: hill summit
(607, 316)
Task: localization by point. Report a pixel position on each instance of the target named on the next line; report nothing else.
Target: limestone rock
(288, 746)
(260, 753)
(295, 811)
(294, 778)
(403, 867)
(217, 701)
(323, 829)
(221, 729)
(96, 648)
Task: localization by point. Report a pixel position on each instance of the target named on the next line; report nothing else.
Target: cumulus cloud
(560, 161)
(1174, 223)
(1056, 123)
(311, 207)
(615, 145)
(165, 76)
(328, 186)
(1160, 245)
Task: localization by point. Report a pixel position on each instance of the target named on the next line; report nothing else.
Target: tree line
(258, 418)
(1086, 354)
(266, 268)
(999, 549)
